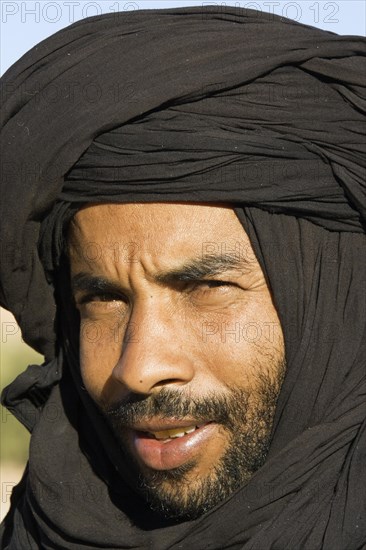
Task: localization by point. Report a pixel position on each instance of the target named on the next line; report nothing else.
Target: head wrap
(206, 105)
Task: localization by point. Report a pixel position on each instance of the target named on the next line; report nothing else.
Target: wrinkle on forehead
(198, 220)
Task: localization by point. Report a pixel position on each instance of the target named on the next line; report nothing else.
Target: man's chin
(171, 493)
(185, 493)
(176, 495)
(184, 474)
(196, 486)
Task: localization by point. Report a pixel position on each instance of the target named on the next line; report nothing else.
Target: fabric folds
(193, 105)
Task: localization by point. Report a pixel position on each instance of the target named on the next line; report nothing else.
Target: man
(191, 261)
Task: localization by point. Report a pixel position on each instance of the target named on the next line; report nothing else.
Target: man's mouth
(171, 447)
(167, 435)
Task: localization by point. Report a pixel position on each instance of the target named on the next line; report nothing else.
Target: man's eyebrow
(191, 271)
(84, 282)
(204, 266)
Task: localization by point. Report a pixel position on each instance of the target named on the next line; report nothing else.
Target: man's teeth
(172, 434)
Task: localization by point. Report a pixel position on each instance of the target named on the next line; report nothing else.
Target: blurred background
(23, 24)
(15, 355)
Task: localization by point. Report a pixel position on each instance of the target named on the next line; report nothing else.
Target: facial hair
(247, 418)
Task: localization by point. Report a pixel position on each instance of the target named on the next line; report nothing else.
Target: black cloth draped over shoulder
(207, 104)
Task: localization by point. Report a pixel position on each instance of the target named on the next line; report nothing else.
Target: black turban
(194, 105)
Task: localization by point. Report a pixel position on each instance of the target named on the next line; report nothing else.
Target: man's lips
(167, 428)
(166, 445)
(172, 433)
(159, 425)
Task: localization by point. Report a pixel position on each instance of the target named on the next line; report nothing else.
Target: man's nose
(153, 355)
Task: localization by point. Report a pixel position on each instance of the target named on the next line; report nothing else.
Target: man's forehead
(158, 221)
(145, 209)
(171, 235)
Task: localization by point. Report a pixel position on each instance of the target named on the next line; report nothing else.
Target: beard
(244, 417)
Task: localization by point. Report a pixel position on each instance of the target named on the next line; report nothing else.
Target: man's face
(180, 346)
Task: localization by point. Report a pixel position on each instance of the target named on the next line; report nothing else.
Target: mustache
(168, 403)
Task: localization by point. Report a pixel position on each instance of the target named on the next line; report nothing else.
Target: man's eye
(103, 297)
(210, 286)
(214, 284)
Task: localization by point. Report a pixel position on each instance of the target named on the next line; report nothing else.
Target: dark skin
(177, 317)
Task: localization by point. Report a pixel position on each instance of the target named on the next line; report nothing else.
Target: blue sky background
(24, 23)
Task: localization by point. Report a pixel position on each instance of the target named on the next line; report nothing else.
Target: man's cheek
(100, 349)
(103, 331)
